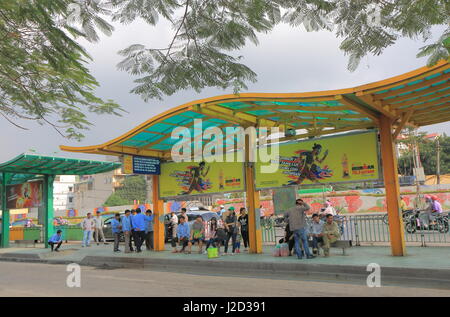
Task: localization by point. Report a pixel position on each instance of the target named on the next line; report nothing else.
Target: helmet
(231, 208)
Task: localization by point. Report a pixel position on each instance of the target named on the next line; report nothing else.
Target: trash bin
(74, 233)
(16, 233)
(33, 233)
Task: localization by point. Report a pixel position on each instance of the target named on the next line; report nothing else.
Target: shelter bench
(25, 242)
(341, 244)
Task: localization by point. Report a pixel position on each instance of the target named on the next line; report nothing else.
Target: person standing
(139, 226)
(331, 234)
(55, 239)
(297, 223)
(262, 212)
(88, 225)
(116, 228)
(99, 228)
(183, 214)
(133, 234)
(149, 230)
(174, 225)
(231, 227)
(243, 221)
(221, 210)
(211, 232)
(126, 228)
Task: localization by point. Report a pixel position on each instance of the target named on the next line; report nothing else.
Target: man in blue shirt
(149, 230)
(126, 228)
(116, 228)
(138, 224)
(183, 234)
(55, 239)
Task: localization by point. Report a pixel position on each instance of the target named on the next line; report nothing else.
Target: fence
(370, 229)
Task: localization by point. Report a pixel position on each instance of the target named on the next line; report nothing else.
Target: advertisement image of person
(307, 164)
(196, 178)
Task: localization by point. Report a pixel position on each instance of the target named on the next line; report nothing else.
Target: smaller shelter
(26, 167)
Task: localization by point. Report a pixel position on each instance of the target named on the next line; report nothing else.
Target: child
(237, 244)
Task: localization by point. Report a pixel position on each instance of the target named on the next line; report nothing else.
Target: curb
(429, 278)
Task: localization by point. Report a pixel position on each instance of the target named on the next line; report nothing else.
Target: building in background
(63, 193)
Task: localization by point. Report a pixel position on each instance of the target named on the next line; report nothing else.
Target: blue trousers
(86, 238)
(300, 234)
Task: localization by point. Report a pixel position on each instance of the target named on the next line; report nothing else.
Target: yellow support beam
(358, 108)
(405, 118)
(404, 79)
(418, 100)
(254, 226)
(377, 106)
(409, 88)
(158, 212)
(391, 184)
(393, 101)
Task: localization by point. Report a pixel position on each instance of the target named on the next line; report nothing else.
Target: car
(107, 230)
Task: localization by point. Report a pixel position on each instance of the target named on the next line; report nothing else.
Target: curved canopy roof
(418, 98)
(41, 165)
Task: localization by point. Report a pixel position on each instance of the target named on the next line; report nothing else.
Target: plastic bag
(213, 253)
(284, 249)
(277, 251)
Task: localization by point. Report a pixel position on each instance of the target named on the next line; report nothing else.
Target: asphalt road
(29, 279)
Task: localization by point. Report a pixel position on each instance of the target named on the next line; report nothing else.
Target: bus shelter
(27, 167)
(418, 98)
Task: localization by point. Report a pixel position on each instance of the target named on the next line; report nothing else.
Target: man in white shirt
(262, 212)
(174, 224)
(99, 228)
(88, 225)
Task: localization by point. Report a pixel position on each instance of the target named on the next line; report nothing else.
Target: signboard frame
(378, 160)
(193, 196)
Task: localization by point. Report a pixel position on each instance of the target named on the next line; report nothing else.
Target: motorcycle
(414, 222)
(405, 215)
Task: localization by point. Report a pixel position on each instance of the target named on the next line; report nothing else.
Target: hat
(434, 197)
(231, 208)
(221, 206)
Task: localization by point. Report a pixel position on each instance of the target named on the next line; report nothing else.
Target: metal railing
(371, 229)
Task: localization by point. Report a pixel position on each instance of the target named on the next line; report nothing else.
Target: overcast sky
(286, 60)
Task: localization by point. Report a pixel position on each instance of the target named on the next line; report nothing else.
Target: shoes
(105, 243)
(98, 243)
(310, 257)
(315, 251)
(56, 250)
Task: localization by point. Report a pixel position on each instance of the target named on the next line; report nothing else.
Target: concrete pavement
(27, 279)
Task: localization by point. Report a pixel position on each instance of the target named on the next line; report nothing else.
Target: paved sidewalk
(417, 257)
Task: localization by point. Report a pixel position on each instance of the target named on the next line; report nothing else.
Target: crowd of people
(229, 226)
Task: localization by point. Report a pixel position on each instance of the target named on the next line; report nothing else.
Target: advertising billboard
(200, 178)
(335, 159)
(26, 195)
